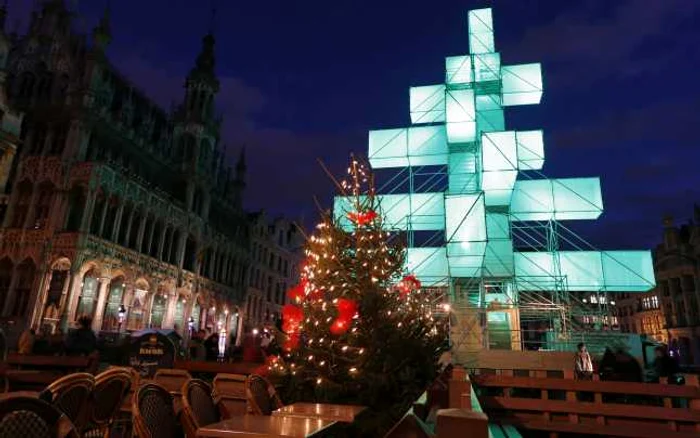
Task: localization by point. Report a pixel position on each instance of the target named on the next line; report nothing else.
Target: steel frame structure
(494, 221)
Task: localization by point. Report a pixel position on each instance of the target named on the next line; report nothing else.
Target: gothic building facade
(117, 209)
(276, 253)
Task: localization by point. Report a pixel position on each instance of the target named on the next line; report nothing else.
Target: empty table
(325, 411)
(259, 426)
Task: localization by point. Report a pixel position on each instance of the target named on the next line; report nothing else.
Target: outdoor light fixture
(121, 314)
(190, 323)
(255, 331)
(446, 307)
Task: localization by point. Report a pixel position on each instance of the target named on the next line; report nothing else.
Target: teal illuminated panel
(480, 23)
(586, 271)
(458, 70)
(427, 104)
(489, 113)
(522, 84)
(487, 67)
(497, 226)
(498, 186)
(461, 116)
(559, 199)
(462, 173)
(429, 265)
(417, 211)
(498, 260)
(499, 151)
(628, 271)
(530, 150)
(414, 146)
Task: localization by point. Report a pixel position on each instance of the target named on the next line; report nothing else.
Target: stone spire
(102, 33)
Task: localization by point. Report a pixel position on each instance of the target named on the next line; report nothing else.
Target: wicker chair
(172, 379)
(154, 416)
(198, 407)
(29, 417)
(261, 395)
(111, 388)
(229, 394)
(71, 395)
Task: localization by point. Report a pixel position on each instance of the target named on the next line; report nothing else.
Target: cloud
(635, 37)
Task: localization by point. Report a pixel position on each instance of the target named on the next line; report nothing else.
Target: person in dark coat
(664, 364)
(83, 340)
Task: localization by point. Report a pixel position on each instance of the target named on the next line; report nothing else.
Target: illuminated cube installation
(493, 183)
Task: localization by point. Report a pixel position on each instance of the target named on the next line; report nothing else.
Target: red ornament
(340, 326)
(291, 343)
(347, 309)
(407, 284)
(291, 318)
(315, 295)
(298, 292)
(362, 218)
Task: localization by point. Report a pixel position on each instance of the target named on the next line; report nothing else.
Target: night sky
(307, 79)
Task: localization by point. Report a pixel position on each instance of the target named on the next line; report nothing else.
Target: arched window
(110, 320)
(160, 303)
(138, 307)
(88, 295)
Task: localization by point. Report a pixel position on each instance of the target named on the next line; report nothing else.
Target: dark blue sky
(306, 80)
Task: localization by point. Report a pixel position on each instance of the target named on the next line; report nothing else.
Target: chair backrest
(154, 416)
(229, 385)
(111, 388)
(262, 396)
(171, 379)
(198, 404)
(29, 417)
(71, 395)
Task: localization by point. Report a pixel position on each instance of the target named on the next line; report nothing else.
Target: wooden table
(259, 426)
(9, 395)
(341, 413)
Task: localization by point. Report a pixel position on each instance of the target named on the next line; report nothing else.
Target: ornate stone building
(277, 250)
(119, 209)
(670, 313)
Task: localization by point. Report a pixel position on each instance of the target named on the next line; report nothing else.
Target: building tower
(492, 218)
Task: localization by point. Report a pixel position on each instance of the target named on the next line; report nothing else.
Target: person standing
(583, 365)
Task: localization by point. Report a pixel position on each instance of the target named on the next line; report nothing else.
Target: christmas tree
(359, 328)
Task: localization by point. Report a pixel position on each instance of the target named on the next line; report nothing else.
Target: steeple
(203, 71)
(241, 166)
(102, 34)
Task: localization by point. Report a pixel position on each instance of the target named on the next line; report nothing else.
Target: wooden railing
(563, 405)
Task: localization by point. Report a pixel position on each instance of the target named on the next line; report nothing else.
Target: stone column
(31, 210)
(37, 310)
(180, 248)
(48, 140)
(103, 291)
(139, 235)
(69, 298)
(103, 215)
(117, 222)
(88, 211)
(161, 243)
(129, 223)
(10, 297)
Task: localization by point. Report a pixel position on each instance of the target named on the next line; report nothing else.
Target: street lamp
(121, 315)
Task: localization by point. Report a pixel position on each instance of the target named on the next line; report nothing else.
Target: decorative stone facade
(277, 251)
(114, 201)
(671, 312)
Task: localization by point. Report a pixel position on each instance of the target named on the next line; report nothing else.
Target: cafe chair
(198, 407)
(28, 417)
(229, 394)
(111, 388)
(261, 395)
(71, 395)
(171, 379)
(153, 412)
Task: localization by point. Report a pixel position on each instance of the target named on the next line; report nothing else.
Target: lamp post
(121, 314)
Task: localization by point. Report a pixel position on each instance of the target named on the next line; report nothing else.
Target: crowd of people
(619, 365)
(81, 341)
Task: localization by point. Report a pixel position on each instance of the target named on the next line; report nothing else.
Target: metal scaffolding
(483, 224)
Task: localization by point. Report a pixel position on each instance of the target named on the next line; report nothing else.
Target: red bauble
(315, 295)
(298, 292)
(407, 284)
(291, 318)
(340, 326)
(347, 308)
(362, 218)
(292, 342)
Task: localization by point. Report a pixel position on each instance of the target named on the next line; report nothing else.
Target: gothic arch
(26, 276)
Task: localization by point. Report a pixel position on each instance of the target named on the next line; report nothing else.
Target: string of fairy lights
(325, 327)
